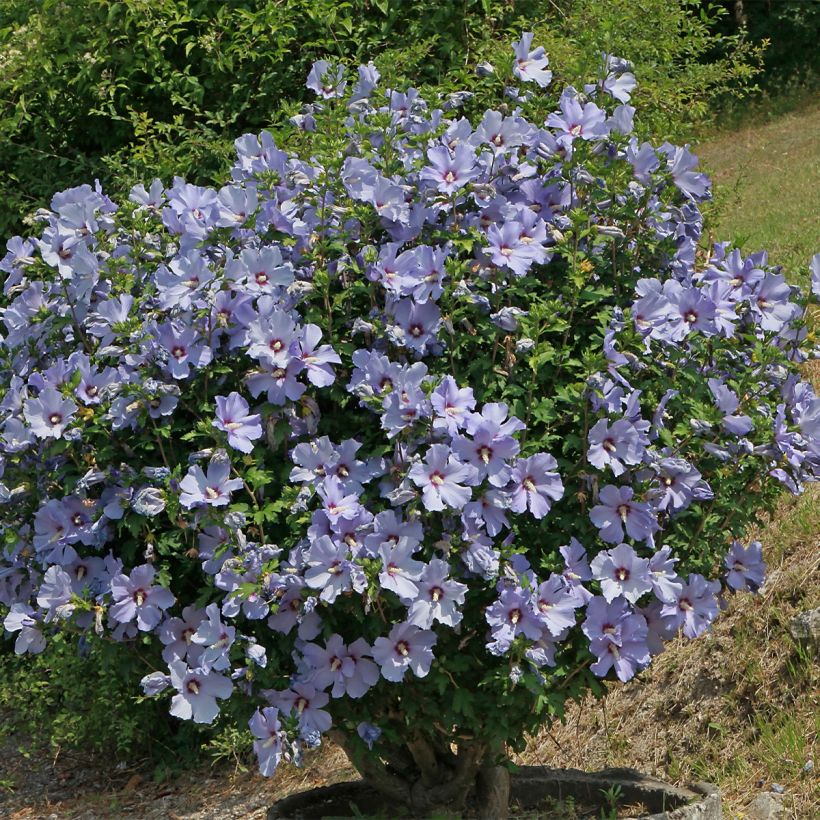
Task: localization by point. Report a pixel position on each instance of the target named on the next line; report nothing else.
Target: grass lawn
(767, 179)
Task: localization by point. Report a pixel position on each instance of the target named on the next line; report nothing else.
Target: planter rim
(531, 785)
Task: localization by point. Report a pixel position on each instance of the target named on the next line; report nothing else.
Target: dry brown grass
(739, 707)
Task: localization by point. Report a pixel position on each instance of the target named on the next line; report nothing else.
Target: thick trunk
(493, 793)
(431, 780)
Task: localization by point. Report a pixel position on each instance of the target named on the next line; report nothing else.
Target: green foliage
(68, 698)
(130, 90)
(790, 27)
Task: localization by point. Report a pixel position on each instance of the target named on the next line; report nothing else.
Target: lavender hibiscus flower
(531, 66)
(621, 572)
(266, 728)
(614, 446)
(513, 614)
(406, 647)
(555, 605)
(618, 511)
(438, 597)
(442, 477)
(213, 489)
(694, 606)
(347, 669)
(305, 701)
(135, 597)
(746, 569)
(197, 691)
(49, 414)
(618, 637)
(534, 485)
(450, 171)
(233, 418)
(330, 569)
(400, 572)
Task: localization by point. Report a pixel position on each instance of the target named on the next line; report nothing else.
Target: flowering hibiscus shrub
(406, 436)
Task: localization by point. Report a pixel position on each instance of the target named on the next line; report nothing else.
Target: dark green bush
(791, 28)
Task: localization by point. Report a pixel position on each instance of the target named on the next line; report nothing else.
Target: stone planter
(531, 786)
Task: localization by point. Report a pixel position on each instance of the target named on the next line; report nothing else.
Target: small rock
(766, 806)
(132, 783)
(806, 626)
(808, 766)
(777, 788)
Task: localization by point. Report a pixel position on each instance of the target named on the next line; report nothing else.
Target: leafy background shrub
(130, 90)
(790, 27)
